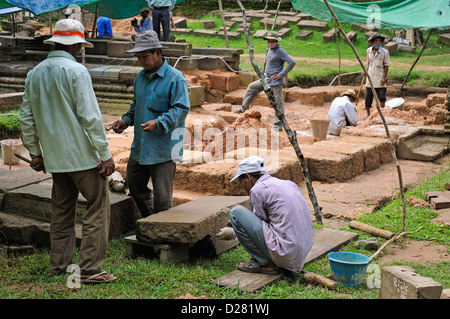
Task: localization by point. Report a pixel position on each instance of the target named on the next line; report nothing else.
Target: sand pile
(393, 117)
(123, 25)
(249, 130)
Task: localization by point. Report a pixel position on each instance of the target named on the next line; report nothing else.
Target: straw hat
(147, 40)
(350, 92)
(376, 35)
(272, 35)
(68, 32)
(144, 8)
(252, 164)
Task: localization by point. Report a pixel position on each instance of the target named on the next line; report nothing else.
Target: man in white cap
(62, 129)
(342, 113)
(278, 231)
(275, 75)
(158, 112)
(145, 24)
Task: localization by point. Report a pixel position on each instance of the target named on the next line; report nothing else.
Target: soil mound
(249, 130)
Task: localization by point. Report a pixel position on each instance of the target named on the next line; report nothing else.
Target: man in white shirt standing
(342, 113)
(377, 68)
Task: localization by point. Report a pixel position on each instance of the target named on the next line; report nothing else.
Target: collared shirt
(287, 225)
(60, 113)
(340, 111)
(377, 60)
(144, 25)
(104, 27)
(164, 97)
(275, 60)
(162, 3)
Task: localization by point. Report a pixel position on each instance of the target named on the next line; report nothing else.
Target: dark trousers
(95, 220)
(162, 176)
(161, 17)
(381, 93)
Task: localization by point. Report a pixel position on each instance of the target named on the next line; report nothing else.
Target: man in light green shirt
(62, 129)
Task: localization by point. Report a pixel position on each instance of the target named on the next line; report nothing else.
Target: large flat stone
(317, 25)
(188, 223)
(423, 145)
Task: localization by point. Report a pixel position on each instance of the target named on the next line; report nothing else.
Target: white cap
(67, 32)
(252, 164)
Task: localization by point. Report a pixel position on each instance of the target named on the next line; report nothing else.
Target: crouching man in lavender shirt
(278, 231)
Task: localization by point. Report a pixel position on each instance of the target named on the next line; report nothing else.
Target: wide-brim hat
(376, 35)
(147, 40)
(272, 35)
(144, 8)
(68, 32)
(252, 164)
(350, 92)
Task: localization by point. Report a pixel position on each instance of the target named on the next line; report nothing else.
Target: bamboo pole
(276, 15)
(420, 54)
(377, 104)
(223, 23)
(292, 135)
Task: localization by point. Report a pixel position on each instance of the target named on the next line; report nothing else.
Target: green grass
(26, 277)
(9, 124)
(309, 73)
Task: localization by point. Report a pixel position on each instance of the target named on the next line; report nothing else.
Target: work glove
(226, 233)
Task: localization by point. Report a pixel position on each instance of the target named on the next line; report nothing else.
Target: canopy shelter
(386, 14)
(115, 9)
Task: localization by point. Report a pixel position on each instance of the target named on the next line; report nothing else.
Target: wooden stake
(292, 135)
(390, 241)
(223, 24)
(377, 104)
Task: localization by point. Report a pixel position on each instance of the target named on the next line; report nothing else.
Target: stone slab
(269, 22)
(325, 241)
(402, 282)
(205, 33)
(444, 39)
(118, 49)
(190, 222)
(305, 34)
(317, 25)
(423, 145)
(230, 35)
(207, 24)
(32, 199)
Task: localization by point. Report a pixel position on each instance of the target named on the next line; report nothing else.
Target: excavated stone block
(318, 25)
(190, 222)
(392, 47)
(196, 95)
(118, 49)
(226, 81)
(402, 282)
(208, 24)
(230, 35)
(330, 36)
(260, 34)
(305, 34)
(205, 33)
(444, 39)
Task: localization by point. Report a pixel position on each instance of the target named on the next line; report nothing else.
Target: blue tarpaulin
(9, 10)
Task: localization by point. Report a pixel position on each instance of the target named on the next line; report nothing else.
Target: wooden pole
(94, 26)
(420, 54)
(339, 53)
(223, 24)
(292, 135)
(377, 104)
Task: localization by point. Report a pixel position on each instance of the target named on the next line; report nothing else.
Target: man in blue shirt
(104, 27)
(161, 15)
(145, 24)
(158, 112)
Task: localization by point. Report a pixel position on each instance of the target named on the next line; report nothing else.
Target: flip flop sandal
(252, 266)
(92, 279)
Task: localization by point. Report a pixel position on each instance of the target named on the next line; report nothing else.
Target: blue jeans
(161, 17)
(249, 230)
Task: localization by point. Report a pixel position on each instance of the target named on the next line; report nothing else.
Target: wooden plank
(325, 241)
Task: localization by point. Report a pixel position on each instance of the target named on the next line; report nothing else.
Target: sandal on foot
(98, 278)
(252, 266)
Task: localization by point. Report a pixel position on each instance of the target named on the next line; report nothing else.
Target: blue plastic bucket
(348, 268)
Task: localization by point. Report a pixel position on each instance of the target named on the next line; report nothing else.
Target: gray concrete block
(402, 282)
